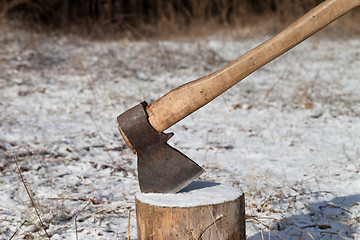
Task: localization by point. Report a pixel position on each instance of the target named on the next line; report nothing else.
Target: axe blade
(165, 170)
(161, 168)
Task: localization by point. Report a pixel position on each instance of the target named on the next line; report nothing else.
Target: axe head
(161, 168)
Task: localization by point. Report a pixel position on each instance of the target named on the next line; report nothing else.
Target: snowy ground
(288, 135)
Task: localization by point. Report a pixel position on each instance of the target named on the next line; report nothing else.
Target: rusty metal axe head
(161, 168)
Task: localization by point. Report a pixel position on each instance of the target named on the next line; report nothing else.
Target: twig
(100, 137)
(128, 238)
(215, 220)
(79, 214)
(334, 206)
(328, 171)
(337, 234)
(309, 234)
(86, 216)
(268, 227)
(17, 230)
(31, 199)
(213, 223)
(261, 221)
(103, 143)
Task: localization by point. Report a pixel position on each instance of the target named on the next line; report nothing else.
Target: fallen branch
(91, 200)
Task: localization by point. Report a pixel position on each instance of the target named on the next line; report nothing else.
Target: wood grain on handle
(191, 96)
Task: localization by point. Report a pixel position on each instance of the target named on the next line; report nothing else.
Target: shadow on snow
(324, 220)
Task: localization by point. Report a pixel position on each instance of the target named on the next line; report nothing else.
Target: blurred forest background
(143, 18)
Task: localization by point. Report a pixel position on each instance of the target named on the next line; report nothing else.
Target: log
(202, 210)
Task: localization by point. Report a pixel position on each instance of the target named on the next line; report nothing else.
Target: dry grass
(140, 19)
(31, 200)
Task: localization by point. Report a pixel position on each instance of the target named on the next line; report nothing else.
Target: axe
(163, 169)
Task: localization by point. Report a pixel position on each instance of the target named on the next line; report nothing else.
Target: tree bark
(224, 220)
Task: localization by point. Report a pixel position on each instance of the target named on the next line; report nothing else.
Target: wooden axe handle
(191, 96)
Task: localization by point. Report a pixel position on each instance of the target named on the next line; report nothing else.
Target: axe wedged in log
(163, 169)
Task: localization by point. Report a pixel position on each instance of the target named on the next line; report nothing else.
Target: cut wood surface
(189, 97)
(203, 210)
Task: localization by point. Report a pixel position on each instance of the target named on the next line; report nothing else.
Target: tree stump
(202, 210)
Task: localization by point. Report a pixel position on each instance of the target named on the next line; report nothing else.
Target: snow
(287, 136)
(197, 193)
